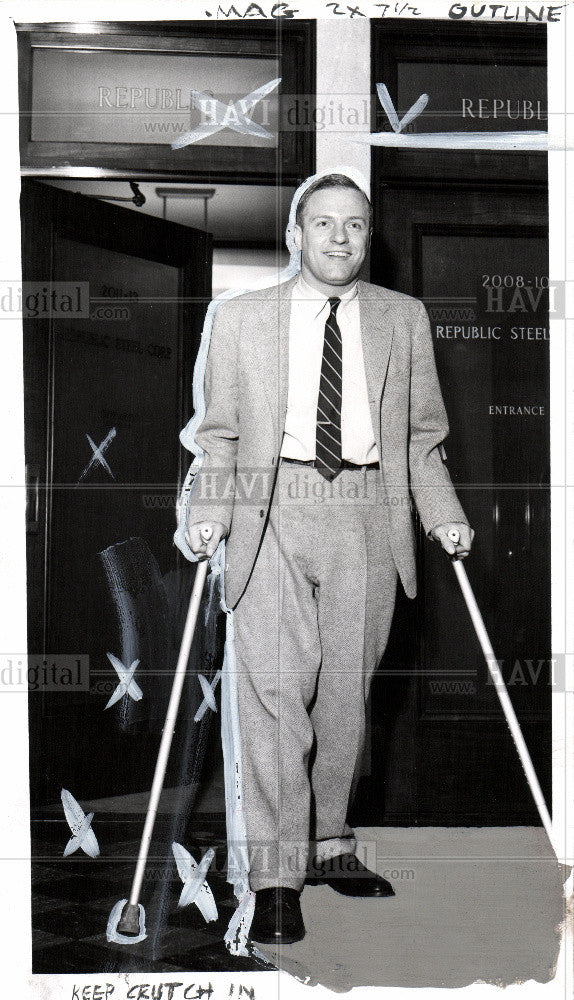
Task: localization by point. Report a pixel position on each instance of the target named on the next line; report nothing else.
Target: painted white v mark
(236, 115)
(389, 108)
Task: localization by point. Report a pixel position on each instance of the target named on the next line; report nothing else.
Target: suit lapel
(274, 345)
(377, 329)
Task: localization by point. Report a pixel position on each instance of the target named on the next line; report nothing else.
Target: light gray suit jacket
(246, 382)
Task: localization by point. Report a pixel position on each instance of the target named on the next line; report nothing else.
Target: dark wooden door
(107, 389)
(467, 233)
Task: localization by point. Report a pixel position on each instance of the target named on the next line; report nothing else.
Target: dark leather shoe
(347, 875)
(277, 918)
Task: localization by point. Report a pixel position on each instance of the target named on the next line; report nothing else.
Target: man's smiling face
(333, 238)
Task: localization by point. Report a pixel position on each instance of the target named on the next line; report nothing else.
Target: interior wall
(239, 267)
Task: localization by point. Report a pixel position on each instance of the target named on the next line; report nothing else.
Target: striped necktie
(328, 459)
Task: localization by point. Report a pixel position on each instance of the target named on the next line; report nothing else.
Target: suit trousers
(310, 629)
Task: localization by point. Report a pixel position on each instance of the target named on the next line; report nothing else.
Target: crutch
(503, 695)
(129, 922)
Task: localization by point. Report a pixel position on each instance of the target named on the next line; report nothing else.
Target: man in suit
(323, 418)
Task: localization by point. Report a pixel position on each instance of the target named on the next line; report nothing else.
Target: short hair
(329, 181)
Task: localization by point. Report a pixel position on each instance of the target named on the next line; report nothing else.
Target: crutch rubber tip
(129, 922)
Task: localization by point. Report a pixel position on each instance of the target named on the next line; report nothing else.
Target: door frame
(47, 212)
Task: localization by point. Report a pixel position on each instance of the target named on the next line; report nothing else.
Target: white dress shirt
(309, 313)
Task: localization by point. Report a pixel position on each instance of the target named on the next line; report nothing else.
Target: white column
(343, 92)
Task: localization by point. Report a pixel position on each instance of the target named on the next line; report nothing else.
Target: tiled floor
(72, 898)
(471, 904)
